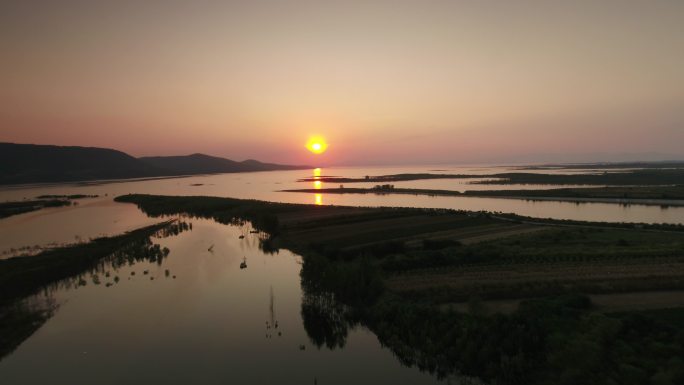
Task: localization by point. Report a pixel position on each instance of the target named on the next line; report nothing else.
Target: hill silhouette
(30, 163)
(206, 164)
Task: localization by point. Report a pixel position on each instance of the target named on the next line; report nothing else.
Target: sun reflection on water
(318, 198)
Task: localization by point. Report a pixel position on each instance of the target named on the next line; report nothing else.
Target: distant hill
(205, 164)
(30, 163)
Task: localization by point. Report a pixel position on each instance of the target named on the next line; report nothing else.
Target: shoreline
(477, 194)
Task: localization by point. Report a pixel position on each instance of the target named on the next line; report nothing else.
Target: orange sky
(389, 82)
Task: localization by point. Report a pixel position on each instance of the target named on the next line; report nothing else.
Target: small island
(643, 195)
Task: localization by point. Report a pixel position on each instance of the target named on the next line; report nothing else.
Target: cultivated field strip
(369, 231)
(483, 275)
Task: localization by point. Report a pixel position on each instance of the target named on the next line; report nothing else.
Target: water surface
(214, 323)
(98, 216)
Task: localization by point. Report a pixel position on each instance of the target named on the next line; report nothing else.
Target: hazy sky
(383, 81)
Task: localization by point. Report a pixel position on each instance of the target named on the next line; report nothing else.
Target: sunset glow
(316, 145)
(425, 83)
(365, 192)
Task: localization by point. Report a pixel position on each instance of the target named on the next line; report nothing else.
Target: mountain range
(31, 163)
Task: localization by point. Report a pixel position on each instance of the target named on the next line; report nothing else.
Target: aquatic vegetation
(72, 196)
(21, 276)
(262, 215)
(20, 318)
(324, 320)
(643, 177)
(19, 207)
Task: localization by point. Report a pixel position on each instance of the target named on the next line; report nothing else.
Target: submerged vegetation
(8, 209)
(19, 207)
(60, 196)
(26, 282)
(19, 319)
(22, 276)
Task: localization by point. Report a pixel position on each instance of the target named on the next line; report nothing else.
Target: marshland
(428, 294)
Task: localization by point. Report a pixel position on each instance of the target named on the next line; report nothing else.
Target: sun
(317, 145)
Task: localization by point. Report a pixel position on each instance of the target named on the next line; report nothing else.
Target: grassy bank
(22, 276)
(8, 209)
(22, 313)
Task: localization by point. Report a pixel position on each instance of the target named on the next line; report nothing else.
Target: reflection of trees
(267, 246)
(19, 319)
(324, 320)
(30, 302)
(324, 317)
(418, 335)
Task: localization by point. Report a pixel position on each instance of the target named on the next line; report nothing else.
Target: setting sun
(317, 145)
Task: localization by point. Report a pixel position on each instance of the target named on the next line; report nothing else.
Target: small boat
(243, 264)
(241, 237)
